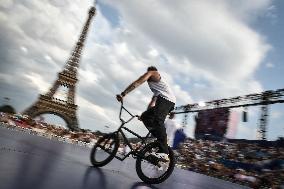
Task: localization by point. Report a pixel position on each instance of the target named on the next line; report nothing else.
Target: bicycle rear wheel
(104, 150)
(153, 167)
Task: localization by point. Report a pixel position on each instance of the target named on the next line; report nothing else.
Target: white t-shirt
(161, 88)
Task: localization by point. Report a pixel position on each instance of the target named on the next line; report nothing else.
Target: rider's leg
(160, 134)
(148, 118)
(154, 119)
(162, 109)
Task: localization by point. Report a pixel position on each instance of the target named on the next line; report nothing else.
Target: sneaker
(164, 162)
(163, 167)
(163, 157)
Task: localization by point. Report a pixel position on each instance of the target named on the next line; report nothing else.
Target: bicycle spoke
(106, 147)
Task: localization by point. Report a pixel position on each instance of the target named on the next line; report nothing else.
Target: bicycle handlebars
(122, 107)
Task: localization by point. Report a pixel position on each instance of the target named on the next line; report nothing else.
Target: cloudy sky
(205, 49)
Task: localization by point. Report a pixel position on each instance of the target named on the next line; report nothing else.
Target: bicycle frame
(120, 130)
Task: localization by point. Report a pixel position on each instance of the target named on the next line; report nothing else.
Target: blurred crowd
(25, 123)
(253, 165)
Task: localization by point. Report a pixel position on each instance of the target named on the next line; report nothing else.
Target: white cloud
(24, 49)
(6, 3)
(38, 82)
(276, 114)
(153, 52)
(88, 76)
(93, 107)
(47, 57)
(211, 36)
(270, 65)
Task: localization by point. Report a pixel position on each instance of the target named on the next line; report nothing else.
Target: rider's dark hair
(152, 68)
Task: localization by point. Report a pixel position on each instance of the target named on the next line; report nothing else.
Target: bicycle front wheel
(104, 150)
(153, 167)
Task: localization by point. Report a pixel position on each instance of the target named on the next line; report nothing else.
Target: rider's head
(152, 68)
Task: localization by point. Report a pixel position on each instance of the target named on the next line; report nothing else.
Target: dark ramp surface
(34, 162)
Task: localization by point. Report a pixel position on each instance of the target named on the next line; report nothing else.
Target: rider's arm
(152, 102)
(137, 83)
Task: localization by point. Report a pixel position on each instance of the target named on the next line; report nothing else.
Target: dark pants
(154, 119)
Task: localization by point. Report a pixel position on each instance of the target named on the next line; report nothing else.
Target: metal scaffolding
(184, 121)
(262, 99)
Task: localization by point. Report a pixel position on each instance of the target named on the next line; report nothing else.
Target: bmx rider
(162, 102)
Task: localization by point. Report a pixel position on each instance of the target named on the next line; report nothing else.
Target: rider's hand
(119, 98)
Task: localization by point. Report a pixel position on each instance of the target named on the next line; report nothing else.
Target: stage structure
(263, 99)
(212, 124)
(66, 109)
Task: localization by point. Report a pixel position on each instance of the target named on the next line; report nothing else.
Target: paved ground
(28, 161)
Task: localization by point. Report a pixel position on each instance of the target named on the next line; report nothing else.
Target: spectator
(179, 138)
(171, 127)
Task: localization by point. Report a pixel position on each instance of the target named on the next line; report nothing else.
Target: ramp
(29, 161)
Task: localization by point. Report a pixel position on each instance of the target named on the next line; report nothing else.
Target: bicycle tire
(141, 157)
(94, 151)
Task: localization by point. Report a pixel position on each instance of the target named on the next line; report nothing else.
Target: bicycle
(159, 166)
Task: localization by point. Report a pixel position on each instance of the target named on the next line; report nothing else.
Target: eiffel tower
(66, 109)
